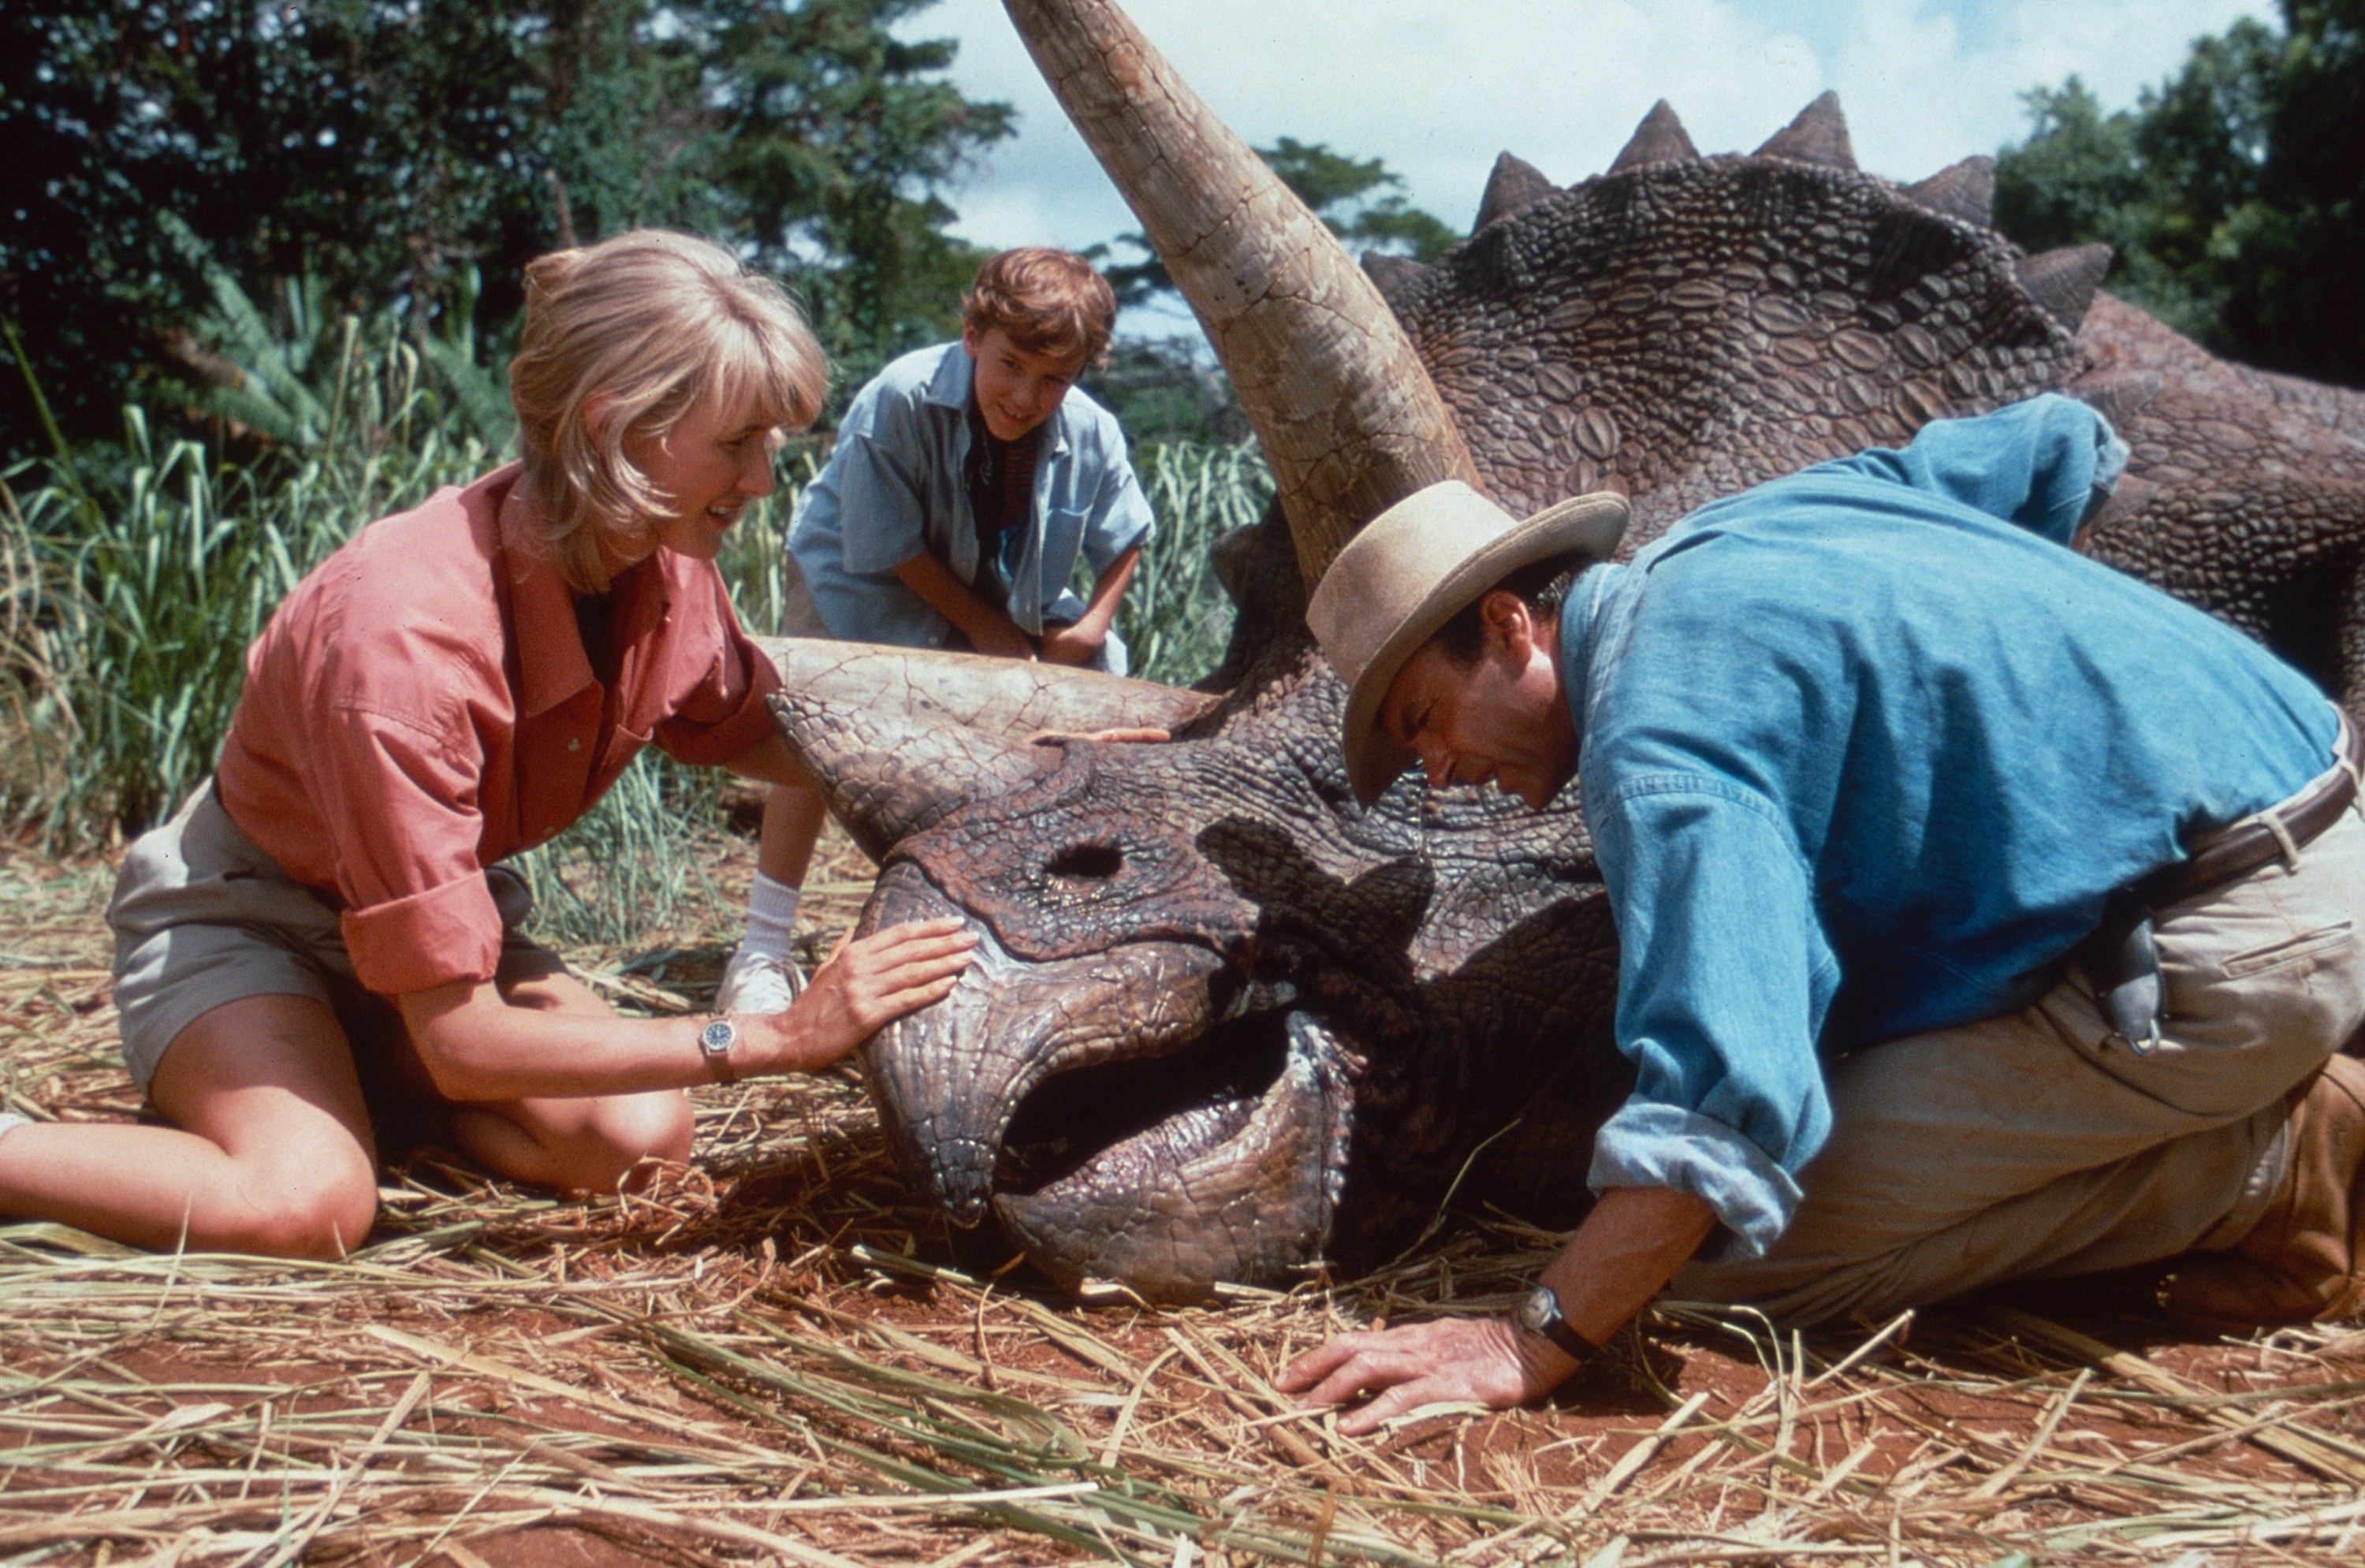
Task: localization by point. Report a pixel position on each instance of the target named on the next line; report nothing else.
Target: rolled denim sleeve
(1120, 517)
(1725, 978)
(2047, 464)
(884, 522)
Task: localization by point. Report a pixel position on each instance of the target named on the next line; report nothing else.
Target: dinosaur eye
(1088, 862)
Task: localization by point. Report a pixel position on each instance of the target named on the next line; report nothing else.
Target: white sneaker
(757, 982)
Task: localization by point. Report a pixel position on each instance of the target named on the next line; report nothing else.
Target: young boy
(966, 480)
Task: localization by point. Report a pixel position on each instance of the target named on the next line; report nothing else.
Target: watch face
(716, 1038)
(1540, 1311)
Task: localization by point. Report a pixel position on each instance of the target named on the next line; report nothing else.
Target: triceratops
(1224, 1024)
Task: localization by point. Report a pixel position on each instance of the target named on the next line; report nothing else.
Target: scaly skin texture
(1342, 1004)
(1427, 986)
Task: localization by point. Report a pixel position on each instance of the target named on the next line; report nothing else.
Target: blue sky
(1437, 88)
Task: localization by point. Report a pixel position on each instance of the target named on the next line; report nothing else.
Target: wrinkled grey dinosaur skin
(1225, 1025)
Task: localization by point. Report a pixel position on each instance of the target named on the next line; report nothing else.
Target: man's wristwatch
(714, 1041)
(1540, 1313)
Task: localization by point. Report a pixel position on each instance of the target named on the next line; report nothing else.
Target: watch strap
(1541, 1314)
(1571, 1343)
(714, 1041)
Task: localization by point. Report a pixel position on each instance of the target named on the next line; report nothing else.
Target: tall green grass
(133, 576)
(1176, 618)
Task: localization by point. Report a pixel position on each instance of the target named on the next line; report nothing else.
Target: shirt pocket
(2286, 951)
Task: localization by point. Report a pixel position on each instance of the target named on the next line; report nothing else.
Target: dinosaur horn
(1964, 190)
(888, 775)
(2063, 281)
(1820, 135)
(1660, 138)
(1514, 184)
(1347, 414)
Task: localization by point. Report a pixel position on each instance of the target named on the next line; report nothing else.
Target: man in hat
(1982, 913)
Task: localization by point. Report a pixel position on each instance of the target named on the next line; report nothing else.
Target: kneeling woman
(457, 684)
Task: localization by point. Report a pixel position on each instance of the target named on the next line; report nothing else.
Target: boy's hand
(1076, 645)
(1001, 637)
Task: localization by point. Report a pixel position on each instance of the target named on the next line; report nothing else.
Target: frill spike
(2063, 281)
(1395, 275)
(1660, 138)
(1964, 190)
(1514, 184)
(1820, 135)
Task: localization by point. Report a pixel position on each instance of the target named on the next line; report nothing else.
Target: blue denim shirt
(892, 488)
(1862, 750)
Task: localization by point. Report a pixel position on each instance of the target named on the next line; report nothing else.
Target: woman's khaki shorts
(202, 917)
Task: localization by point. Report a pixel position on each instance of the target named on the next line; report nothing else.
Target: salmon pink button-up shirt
(421, 706)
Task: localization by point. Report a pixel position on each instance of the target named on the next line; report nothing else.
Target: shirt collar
(1593, 626)
(551, 662)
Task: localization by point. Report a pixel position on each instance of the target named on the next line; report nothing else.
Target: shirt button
(574, 743)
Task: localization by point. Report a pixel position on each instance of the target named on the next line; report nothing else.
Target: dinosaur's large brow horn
(1345, 410)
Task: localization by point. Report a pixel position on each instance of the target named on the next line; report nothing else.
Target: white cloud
(1437, 87)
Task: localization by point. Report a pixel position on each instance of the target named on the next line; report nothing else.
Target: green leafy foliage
(1176, 618)
(2233, 192)
(383, 149)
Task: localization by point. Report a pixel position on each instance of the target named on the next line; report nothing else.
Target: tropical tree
(389, 148)
(2234, 192)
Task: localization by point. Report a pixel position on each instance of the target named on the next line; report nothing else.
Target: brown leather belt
(2250, 843)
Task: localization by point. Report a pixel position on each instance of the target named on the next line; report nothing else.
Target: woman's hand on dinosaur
(868, 984)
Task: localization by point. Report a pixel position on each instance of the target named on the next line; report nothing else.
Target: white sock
(771, 918)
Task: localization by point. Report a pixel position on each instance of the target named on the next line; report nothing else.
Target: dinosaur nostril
(1088, 862)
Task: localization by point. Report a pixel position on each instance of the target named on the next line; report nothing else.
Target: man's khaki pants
(2039, 1143)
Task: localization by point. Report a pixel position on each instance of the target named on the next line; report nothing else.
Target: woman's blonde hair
(663, 324)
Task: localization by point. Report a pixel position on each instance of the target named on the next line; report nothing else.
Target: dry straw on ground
(774, 1356)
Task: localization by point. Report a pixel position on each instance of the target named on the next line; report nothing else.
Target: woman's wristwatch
(1540, 1313)
(714, 1041)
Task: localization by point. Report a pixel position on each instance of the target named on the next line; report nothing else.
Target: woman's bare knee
(584, 1145)
(314, 1215)
(637, 1127)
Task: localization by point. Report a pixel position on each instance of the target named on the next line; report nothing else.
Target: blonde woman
(457, 684)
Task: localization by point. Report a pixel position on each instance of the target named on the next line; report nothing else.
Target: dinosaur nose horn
(1347, 414)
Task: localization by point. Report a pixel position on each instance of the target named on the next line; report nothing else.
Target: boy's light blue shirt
(1862, 750)
(893, 489)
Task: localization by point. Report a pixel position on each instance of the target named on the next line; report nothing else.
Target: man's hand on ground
(1483, 1360)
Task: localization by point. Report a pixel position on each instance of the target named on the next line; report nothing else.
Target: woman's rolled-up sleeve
(1725, 978)
(400, 800)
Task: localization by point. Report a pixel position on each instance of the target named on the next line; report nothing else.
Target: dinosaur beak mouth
(1140, 1114)
(1220, 1162)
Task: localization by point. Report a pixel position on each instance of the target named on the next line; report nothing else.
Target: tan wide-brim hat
(1412, 569)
